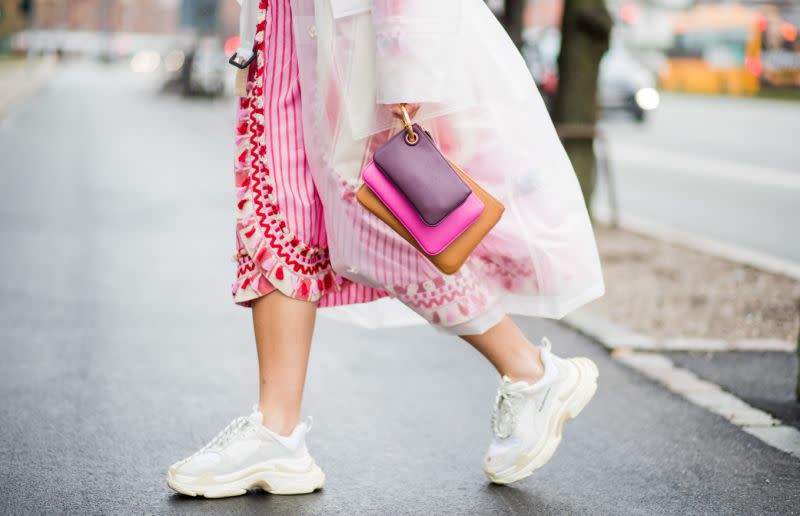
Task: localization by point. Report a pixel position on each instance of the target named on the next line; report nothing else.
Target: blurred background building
(158, 16)
(115, 28)
(699, 46)
(14, 16)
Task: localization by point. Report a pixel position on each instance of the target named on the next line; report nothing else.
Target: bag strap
(248, 16)
(245, 54)
(411, 136)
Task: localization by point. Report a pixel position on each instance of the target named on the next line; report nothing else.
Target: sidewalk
(122, 353)
(720, 333)
(691, 299)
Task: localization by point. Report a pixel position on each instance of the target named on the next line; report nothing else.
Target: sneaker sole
(270, 480)
(574, 402)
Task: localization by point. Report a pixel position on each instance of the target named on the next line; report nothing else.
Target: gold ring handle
(411, 136)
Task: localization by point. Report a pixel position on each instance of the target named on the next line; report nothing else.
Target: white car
(624, 83)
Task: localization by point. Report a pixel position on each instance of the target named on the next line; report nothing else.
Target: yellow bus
(717, 49)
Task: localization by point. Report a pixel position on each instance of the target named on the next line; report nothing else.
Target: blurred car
(624, 83)
(200, 70)
(207, 66)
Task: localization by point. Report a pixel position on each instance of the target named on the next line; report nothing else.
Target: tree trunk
(797, 385)
(585, 30)
(513, 20)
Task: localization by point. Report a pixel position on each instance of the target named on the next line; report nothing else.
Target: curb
(614, 336)
(640, 353)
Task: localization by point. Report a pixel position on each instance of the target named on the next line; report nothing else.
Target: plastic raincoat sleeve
(247, 28)
(415, 48)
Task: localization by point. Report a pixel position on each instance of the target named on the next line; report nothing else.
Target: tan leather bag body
(454, 255)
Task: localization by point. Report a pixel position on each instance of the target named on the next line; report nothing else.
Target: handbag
(427, 199)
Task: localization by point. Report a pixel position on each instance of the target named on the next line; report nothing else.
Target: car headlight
(648, 98)
(145, 61)
(174, 61)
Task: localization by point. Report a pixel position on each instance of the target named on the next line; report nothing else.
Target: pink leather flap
(433, 239)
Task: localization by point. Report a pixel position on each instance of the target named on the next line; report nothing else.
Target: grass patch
(779, 93)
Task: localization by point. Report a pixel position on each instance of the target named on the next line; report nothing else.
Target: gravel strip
(668, 291)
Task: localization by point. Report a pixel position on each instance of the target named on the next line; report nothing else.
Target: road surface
(122, 351)
(723, 168)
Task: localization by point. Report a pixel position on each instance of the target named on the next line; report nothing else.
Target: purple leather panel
(422, 175)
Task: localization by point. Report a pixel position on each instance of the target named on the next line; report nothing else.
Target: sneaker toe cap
(500, 456)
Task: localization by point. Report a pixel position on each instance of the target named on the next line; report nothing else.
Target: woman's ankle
(528, 368)
(278, 421)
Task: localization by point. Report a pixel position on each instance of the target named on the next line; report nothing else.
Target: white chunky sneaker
(527, 418)
(244, 455)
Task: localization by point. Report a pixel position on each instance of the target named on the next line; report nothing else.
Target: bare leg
(283, 328)
(513, 355)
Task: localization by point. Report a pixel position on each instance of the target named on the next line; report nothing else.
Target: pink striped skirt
(286, 241)
(280, 227)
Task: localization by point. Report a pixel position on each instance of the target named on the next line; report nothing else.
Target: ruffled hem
(453, 300)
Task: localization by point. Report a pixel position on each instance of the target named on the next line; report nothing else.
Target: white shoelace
(237, 426)
(508, 405)
(233, 429)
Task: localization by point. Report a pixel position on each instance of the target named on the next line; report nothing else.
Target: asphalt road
(121, 351)
(764, 379)
(724, 168)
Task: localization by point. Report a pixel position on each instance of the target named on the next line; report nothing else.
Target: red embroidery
(253, 157)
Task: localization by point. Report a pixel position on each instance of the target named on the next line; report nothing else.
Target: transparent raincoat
(356, 58)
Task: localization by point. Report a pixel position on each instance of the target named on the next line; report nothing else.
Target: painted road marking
(646, 158)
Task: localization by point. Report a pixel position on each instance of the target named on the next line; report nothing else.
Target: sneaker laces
(234, 428)
(507, 407)
(508, 403)
(224, 437)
